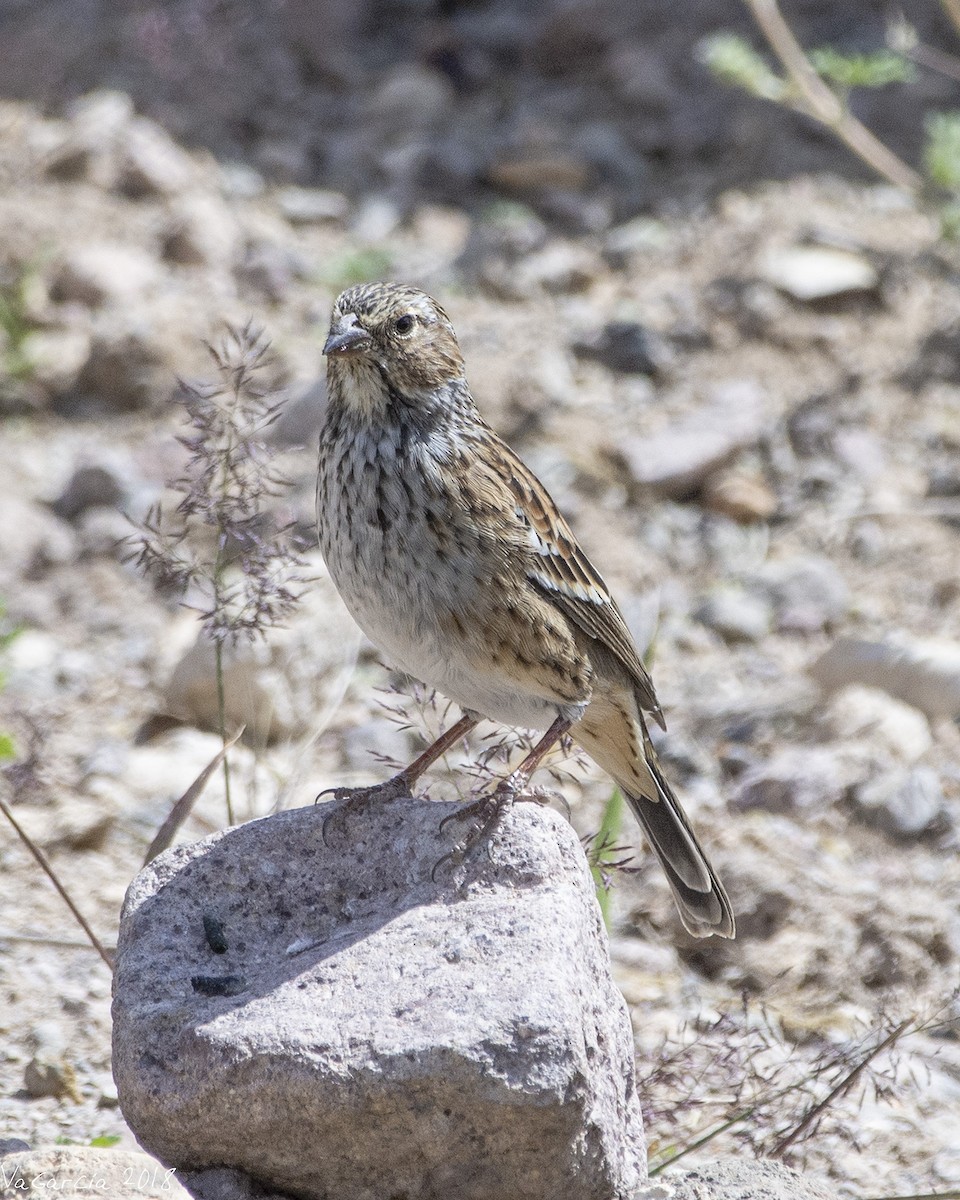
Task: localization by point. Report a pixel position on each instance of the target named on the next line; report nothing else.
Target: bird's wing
(568, 578)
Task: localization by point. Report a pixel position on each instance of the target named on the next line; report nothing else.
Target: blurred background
(725, 337)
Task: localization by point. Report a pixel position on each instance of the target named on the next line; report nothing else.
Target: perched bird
(455, 562)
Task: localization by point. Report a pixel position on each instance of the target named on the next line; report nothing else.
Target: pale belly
(395, 620)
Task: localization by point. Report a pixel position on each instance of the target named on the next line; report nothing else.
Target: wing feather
(566, 576)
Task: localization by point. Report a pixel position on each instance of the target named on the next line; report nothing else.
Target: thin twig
(817, 100)
(51, 875)
(843, 1086)
(181, 810)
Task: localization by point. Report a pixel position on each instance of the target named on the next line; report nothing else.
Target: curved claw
(454, 857)
(326, 792)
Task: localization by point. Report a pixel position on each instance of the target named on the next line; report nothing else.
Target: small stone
(88, 487)
(100, 273)
(560, 267)
(376, 218)
(676, 463)
(742, 498)
(795, 780)
(51, 1076)
(200, 230)
(808, 592)
(737, 615)
(55, 356)
(152, 164)
(274, 685)
(811, 273)
(624, 346)
(312, 206)
(906, 803)
(486, 1001)
(410, 97)
(871, 715)
(12, 1145)
(537, 172)
(125, 371)
(924, 673)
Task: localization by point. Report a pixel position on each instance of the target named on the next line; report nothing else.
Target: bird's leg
(490, 808)
(356, 799)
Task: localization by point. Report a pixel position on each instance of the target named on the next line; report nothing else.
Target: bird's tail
(618, 741)
(700, 896)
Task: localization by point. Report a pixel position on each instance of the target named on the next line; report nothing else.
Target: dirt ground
(763, 461)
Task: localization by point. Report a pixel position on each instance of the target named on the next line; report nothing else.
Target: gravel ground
(751, 414)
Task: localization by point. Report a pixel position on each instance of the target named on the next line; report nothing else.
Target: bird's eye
(405, 323)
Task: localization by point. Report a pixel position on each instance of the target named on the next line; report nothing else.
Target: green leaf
(941, 155)
(733, 60)
(105, 1140)
(605, 840)
(8, 749)
(358, 266)
(861, 70)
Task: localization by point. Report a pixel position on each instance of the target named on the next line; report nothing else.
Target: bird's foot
(484, 815)
(356, 801)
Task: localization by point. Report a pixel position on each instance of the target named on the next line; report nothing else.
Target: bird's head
(395, 337)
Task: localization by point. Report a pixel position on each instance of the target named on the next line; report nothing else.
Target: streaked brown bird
(455, 562)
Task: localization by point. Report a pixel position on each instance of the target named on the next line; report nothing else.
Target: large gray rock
(368, 1032)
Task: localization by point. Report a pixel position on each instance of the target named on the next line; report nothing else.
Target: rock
(559, 267)
(51, 1076)
(78, 823)
(200, 230)
(676, 462)
(741, 1179)
(410, 97)
(375, 219)
(869, 714)
(56, 356)
(100, 273)
(221, 1183)
(742, 498)
(536, 172)
(12, 1145)
(152, 164)
(88, 1173)
(88, 487)
(925, 674)
(808, 592)
(811, 273)
(312, 206)
(31, 538)
(467, 1028)
(624, 346)
(125, 371)
(902, 803)
(97, 123)
(737, 615)
(795, 780)
(279, 685)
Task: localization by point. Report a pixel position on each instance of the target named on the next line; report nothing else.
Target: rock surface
(467, 1029)
(737, 1179)
(86, 1172)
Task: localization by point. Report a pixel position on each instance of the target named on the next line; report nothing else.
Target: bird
(456, 563)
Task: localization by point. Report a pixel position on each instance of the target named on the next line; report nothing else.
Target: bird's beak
(346, 336)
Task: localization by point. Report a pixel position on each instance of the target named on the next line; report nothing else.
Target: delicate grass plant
(217, 548)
